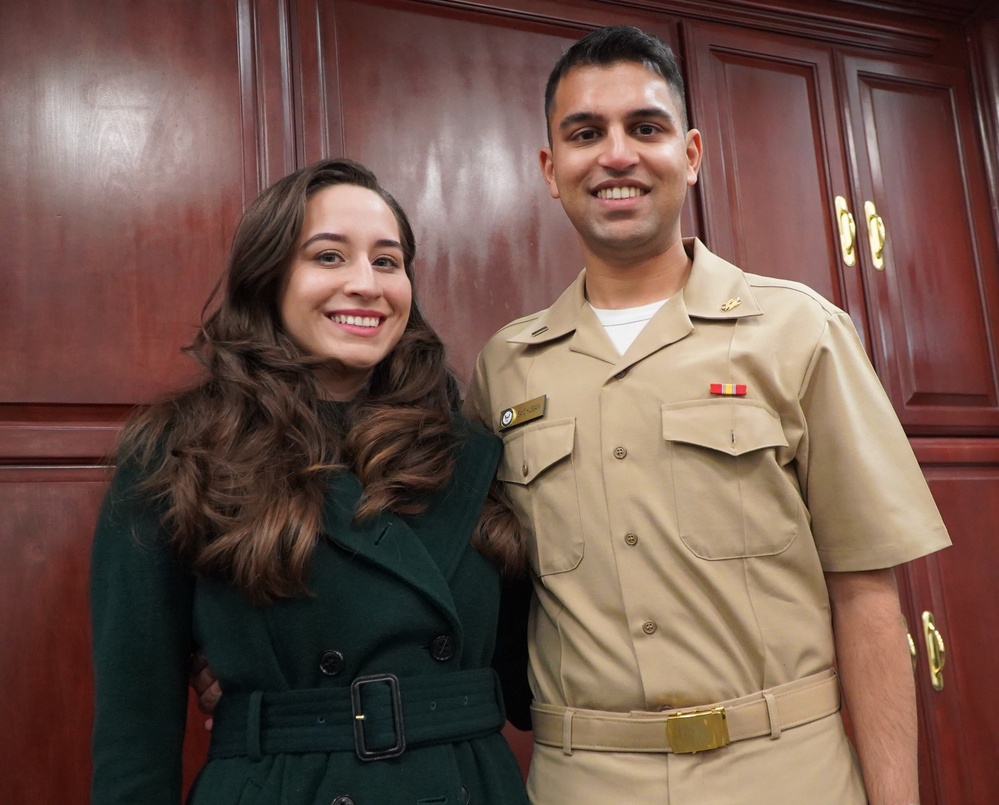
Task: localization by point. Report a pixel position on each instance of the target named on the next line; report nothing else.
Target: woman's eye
(387, 262)
(329, 258)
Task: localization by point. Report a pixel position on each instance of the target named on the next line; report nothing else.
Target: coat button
(344, 800)
(331, 662)
(442, 648)
(466, 798)
(621, 375)
(649, 627)
(620, 452)
(631, 538)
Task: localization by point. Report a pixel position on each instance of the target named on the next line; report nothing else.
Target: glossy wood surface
(957, 585)
(935, 305)
(122, 177)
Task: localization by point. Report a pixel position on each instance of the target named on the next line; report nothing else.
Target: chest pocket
(540, 478)
(732, 497)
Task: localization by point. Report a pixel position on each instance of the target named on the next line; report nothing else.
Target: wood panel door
(933, 297)
(959, 734)
(774, 162)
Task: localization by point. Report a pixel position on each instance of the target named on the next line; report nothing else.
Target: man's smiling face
(620, 161)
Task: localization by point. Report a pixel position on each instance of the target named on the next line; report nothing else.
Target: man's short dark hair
(612, 45)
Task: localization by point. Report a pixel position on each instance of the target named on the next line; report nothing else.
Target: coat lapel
(386, 541)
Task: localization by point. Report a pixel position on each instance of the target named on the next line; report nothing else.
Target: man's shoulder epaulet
(806, 295)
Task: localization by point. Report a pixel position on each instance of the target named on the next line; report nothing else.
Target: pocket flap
(730, 426)
(531, 449)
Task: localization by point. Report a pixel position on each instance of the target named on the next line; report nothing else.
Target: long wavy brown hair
(238, 464)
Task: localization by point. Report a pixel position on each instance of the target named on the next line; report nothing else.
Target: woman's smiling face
(346, 296)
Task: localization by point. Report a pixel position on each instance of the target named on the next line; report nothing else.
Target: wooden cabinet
(774, 157)
(959, 738)
(920, 196)
(803, 142)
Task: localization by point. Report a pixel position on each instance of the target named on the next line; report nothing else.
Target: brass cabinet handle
(876, 235)
(912, 643)
(847, 232)
(936, 654)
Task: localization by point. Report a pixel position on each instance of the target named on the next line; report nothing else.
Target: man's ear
(694, 154)
(548, 170)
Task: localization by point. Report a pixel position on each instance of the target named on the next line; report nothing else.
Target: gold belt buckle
(697, 730)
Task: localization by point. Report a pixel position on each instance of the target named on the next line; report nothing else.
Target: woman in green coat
(315, 518)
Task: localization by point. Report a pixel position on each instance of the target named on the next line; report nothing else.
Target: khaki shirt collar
(713, 284)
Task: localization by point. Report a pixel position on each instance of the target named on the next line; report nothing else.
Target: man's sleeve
(869, 502)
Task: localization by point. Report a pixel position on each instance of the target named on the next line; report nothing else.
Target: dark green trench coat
(383, 593)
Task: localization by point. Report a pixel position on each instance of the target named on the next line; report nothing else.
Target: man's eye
(586, 134)
(646, 129)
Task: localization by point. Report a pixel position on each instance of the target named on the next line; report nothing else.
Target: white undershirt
(624, 325)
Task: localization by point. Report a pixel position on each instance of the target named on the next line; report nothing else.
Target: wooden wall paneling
(774, 161)
(45, 672)
(131, 143)
(445, 104)
(871, 24)
(935, 305)
(123, 176)
(46, 709)
(265, 40)
(983, 41)
(127, 129)
(957, 724)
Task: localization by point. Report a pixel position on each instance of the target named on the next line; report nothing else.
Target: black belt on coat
(377, 717)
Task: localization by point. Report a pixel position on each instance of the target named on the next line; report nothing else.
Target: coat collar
(715, 290)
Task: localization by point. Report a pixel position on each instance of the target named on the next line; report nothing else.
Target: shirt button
(649, 627)
(620, 452)
(466, 798)
(331, 662)
(343, 801)
(631, 538)
(442, 648)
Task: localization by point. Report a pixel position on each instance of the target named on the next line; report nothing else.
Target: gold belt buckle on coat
(697, 730)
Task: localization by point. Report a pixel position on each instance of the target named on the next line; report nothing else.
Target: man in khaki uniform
(716, 485)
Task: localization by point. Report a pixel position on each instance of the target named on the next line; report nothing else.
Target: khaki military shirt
(679, 536)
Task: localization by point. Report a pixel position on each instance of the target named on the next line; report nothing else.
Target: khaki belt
(692, 729)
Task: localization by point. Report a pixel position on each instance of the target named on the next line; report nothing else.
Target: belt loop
(771, 700)
(253, 726)
(567, 731)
